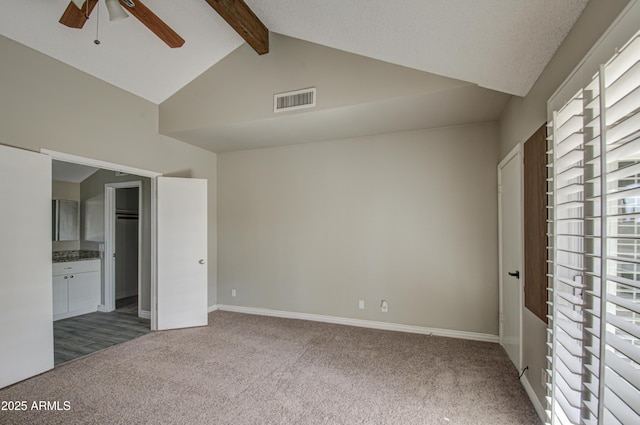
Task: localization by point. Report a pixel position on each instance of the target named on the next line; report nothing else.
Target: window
(594, 334)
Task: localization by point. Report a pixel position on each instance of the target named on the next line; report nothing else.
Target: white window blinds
(594, 331)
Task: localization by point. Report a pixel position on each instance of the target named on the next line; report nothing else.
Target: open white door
(182, 253)
(26, 305)
(511, 273)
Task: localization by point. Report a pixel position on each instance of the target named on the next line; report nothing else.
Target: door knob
(515, 274)
(201, 262)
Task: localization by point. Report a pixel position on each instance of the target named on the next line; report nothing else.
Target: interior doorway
(124, 212)
(180, 286)
(511, 277)
(111, 215)
(127, 259)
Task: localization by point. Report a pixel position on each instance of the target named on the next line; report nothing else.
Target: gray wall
(523, 116)
(46, 104)
(92, 205)
(407, 217)
(240, 87)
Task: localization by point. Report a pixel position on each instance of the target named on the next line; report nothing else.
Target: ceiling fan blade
(155, 24)
(73, 17)
(245, 22)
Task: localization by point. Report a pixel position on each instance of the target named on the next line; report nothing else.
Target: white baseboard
(534, 398)
(144, 314)
(103, 308)
(358, 322)
(74, 313)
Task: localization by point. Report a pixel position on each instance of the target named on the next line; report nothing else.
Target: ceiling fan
(236, 12)
(78, 11)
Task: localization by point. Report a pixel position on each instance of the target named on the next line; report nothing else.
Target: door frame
(515, 154)
(152, 175)
(110, 243)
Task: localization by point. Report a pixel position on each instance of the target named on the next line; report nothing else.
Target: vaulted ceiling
(502, 45)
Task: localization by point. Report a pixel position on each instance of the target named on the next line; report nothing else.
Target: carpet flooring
(243, 369)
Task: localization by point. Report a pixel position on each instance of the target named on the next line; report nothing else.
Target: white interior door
(26, 304)
(182, 253)
(511, 276)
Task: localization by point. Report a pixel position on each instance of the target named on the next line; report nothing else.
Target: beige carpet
(244, 369)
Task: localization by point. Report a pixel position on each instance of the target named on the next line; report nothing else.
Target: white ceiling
(129, 55)
(499, 44)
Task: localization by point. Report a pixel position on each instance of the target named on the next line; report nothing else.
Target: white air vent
(298, 99)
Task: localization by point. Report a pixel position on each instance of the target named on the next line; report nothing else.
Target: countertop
(81, 255)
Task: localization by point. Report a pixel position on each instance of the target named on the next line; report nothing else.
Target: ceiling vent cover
(297, 99)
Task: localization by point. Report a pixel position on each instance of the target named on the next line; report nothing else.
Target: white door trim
(110, 242)
(516, 153)
(60, 156)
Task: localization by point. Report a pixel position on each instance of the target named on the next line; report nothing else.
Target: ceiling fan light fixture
(116, 11)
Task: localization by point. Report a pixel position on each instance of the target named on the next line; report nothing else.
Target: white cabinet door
(84, 291)
(182, 253)
(26, 328)
(60, 295)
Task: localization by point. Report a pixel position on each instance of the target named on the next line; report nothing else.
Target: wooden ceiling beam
(244, 21)
(155, 24)
(74, 17)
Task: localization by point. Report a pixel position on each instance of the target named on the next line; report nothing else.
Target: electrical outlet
(361, 304)
(233, 292)
(384, 306)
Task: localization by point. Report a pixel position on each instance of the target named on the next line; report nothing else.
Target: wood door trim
(535, 223)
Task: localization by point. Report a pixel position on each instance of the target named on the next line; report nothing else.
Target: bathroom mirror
(64, 215)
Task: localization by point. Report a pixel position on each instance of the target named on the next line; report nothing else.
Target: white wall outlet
(384, 306)
(233, 292)
(361, 304)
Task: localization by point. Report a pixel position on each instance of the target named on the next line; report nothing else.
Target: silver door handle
(201, 262)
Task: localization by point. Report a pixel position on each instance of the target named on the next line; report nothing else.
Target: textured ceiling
(503, 45)
(499, 44)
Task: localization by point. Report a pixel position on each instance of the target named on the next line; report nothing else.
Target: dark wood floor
(82, 335)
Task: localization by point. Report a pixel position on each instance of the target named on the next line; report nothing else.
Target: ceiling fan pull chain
(97, 41)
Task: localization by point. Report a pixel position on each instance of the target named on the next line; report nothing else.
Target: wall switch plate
(361, 304)
(384, 306)
(233, 292)
(543, 378)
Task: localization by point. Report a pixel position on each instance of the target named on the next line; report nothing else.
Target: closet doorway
(123, 236)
